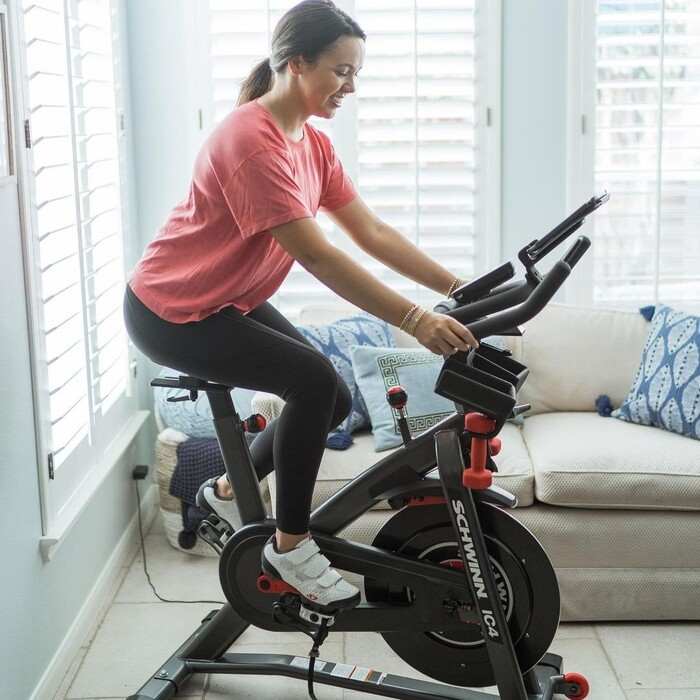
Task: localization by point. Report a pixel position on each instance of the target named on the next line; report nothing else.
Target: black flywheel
(526, 582)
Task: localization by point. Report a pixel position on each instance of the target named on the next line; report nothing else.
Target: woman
(197, 300)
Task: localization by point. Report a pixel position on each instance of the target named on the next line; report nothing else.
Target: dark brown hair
(306, 30)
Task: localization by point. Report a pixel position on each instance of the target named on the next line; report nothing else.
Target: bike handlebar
(514, 304)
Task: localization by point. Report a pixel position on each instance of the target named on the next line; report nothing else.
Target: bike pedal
(314, 617)
(215, 532)
(289, 609)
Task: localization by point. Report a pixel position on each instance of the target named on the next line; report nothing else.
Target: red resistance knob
(255, 423)
(397, 397)
(477, 476)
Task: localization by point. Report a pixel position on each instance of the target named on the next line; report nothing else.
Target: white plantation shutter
(647, 152)
(75, 225)
(407, 138)
(416, 129)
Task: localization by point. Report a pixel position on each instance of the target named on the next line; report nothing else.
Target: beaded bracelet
(407, 317)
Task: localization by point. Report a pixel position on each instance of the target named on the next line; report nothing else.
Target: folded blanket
(198, 459)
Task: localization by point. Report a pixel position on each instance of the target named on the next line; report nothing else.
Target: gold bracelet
(411, 327)
(409, 320)
(408, 315)
(456, 283)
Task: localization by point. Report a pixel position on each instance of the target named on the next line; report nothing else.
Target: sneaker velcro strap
(330, 578)
(315, 566)
(299, 555)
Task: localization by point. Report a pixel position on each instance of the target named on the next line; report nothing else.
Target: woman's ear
(297, 65)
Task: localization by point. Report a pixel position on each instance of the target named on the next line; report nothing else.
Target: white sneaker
(225, 508)
(307, 570)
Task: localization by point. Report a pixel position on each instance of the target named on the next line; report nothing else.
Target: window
(413, 137)
(5, 159)
(643, 106)
(74, 227)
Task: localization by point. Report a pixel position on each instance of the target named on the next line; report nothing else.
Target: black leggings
(261, 350)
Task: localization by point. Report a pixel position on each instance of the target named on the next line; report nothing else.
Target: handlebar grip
(539, 298)
(577, 250)
(445, 306)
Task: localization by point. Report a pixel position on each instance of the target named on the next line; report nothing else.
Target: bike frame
(401, 474)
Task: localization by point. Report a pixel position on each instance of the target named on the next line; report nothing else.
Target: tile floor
(621, 661)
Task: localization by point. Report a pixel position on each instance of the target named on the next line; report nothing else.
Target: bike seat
(190, 383)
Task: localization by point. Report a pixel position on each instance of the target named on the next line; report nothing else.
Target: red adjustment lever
(267, 584)
(255, 423)
(476, 476)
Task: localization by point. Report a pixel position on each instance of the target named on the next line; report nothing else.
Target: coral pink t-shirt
(215, 249)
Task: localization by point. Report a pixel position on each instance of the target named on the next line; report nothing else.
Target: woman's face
(325, 84)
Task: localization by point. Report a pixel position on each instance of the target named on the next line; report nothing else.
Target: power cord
(137, 477)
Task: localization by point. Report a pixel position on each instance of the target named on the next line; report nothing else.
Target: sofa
(616, 505)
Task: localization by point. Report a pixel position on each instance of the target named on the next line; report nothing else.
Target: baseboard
(98, 600)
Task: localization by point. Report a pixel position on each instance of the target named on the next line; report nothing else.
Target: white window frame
(488, 221)
(581, 133)
(7, 158)
(113, 432)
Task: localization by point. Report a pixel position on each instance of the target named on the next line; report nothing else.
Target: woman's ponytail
(256, 84)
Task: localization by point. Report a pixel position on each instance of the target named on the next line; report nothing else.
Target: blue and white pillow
(666, 388)
(335, 339)
(416, 370)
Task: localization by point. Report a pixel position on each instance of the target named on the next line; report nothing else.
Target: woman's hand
(443, 334)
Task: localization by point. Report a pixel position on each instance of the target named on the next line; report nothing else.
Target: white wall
(534, 120)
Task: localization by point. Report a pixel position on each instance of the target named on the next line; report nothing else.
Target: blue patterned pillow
(666, 389)
(334, 341)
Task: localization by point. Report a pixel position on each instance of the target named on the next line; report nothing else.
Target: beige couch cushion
(582, 460)
(621, 565)
(575, 354)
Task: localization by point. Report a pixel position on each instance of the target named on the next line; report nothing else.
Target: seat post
(236, 455)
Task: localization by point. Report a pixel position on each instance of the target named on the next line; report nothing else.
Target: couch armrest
(267, 405)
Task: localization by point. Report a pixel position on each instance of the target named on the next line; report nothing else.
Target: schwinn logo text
(474, 568)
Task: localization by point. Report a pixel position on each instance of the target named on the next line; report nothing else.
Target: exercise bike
(456, 586)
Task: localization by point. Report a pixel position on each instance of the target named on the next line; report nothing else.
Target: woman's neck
(287, 111)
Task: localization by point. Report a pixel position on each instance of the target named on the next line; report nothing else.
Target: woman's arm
(387, 245)
(304, 240)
